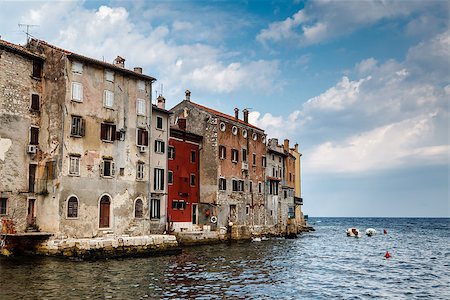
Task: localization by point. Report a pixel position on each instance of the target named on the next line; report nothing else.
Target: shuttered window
(72, 207)
(107, 132)
(142, 137)
(155, 208)
(77, 126)
(158, 179)
(108, 99)
(140, 107)
(77, 91)
(109, 76)
(77, 67)
(35, 102)
(34, 135)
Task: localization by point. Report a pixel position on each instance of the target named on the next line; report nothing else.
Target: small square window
(77, 67)
(108, 168)
(159, 146)
(109, 75)
(193, 182)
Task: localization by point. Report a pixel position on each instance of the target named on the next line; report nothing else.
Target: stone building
(298, 200)
(21, 88)
(232, 164)
(95, 156)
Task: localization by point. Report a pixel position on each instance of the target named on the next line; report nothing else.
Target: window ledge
(73, 175)
(77, 100)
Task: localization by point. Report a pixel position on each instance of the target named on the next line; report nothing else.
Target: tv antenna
(27, 32)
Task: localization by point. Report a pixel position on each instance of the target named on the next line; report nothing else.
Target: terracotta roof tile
(19, 49)
(223, 115)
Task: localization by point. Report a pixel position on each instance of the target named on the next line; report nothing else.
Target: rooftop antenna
(27, 32)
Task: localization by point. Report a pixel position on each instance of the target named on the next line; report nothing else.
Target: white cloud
(321, 20)
(366, 65)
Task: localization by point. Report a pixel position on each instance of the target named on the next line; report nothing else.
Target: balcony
(298, 201)
(244, 166)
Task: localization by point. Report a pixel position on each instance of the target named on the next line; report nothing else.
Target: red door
(104, 212)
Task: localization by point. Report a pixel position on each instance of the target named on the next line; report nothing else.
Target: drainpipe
(149, 126)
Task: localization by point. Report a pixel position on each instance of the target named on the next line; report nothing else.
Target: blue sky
(362, 86)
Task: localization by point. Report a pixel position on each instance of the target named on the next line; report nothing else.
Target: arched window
(138, 208)
(105, 203)
(72, 207)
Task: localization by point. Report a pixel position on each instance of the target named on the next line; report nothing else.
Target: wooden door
(104, 212)
(31, 217)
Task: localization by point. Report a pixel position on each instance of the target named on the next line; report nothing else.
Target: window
(141, 85)
(171, 152)
(31, 177)
(254, 159)
(234, 130)
(222, 152)
(259, 187)
(108, 99)
(142, 137)
(138, 208)
(179, 204)
(238, 185)
(159, 146)
(140, 107)
(250, 185)
(107, 168)
(247, 210)
(77, 126)
(244, 155)
(273, 188)
(263, 139)
(77, 67)
(155, 206)
(35, 102)
(170, 177)
(290, 176)
(192, 179)
(234, 155)
(244, 133)
(3, 205)
(159, 122)
(263, 161)
(291, 212)
(222, 184)
(34, 135)
(222, 126)
(37, 69)
(158, 179)
(140, 167)
(254, 136)
(193, 156)
(72, 207)
(108, 132)
(285, 194)
(279, 159)
(109, 75)
(77, 92)
(74, 165)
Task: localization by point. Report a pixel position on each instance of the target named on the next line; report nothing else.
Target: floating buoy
(387, 255)
(370, 231)
(353, 232)
(384, 231)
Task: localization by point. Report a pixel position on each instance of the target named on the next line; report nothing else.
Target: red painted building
(183, 178)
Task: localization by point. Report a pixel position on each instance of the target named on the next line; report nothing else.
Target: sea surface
(319, 265)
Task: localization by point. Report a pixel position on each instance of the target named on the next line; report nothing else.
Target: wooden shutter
(114, 134)
(82, 127)
(103, 130)
(145, 137)
(113, 168)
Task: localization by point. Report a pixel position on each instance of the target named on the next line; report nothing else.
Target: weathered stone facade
(20, 82)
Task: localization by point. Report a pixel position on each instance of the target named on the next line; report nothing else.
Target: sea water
(318, 265)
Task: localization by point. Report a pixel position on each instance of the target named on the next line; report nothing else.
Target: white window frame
(222, 152)
(158, 183)
(108, 99)
(171, 152)
(77, 67)
(77, 92)
(112, 168)
(74, 165)
(234, 130)
(222, 126)
(222, 184)
(140, 107)
(155, 210)
(162, 123)
(140, 171)
(109, 76)
(159, 146)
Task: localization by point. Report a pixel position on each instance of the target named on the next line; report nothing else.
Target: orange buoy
(384, 231)
(387, 255)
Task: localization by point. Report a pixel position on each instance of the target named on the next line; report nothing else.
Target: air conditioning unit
(244, 165)
(142, 149)
(31, 149)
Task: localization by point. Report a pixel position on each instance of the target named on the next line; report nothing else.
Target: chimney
(236, 113)
(182, 123)
(245, 111)
(138, 70)
(286, 145)
(188, 95)
(296, 147)
(161, 102)
(119, 62)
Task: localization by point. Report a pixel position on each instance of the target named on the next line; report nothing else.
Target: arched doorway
(105, 204)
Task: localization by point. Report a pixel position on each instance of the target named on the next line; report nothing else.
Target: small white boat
(370, 231)
(353, 232)
(256, 239)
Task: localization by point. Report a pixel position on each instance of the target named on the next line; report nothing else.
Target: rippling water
(322, 264)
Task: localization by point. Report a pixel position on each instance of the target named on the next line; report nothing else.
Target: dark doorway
(31, 215)
(104, 212)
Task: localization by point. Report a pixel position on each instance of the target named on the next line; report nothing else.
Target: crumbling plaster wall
(16, 87)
